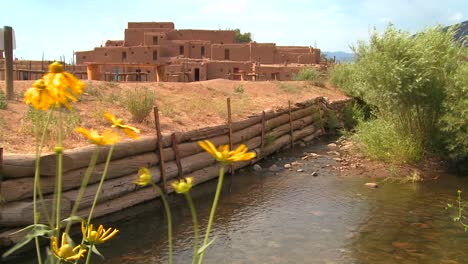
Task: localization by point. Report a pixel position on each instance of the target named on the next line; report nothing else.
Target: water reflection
(293, 217)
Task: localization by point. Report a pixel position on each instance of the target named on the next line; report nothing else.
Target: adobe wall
(234, 52)
(215, 36)
(224, 69)
(263, 52)
(165, 25)
(136, 36)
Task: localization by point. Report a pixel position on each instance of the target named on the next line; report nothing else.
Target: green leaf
(96, 251)
(36, 231)
(204, 247)
(74, 218)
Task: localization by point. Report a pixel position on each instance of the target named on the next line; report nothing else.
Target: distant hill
(340, 56)
(462, 32)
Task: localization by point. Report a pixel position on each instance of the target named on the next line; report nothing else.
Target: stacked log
(280, 127)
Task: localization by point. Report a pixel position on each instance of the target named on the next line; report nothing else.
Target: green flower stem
(90, 252)
(59, 173)
(36, 182)
(103, 177)
(195, 225)
(96, 197)
(213, 210)
(169, 218)
(84, 183)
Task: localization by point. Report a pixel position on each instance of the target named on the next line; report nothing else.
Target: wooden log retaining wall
(265, 134)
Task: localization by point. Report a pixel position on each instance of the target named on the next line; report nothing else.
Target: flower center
(65, 251)
(56, 67)
(93, 236)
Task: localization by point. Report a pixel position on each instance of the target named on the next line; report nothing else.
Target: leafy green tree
(242, 37)
(416, 83)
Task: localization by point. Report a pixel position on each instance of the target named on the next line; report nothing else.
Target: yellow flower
(224, 155)
(39, 96)
(182, 186)
(144, 177)
(107, 138)
(66, 252)
(119, 123)
(98, 236)
(67, 87)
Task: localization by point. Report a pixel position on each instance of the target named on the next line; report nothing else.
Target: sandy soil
(183, 106)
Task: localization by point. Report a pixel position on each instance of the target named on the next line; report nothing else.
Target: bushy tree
(242, 37)
(418, 83)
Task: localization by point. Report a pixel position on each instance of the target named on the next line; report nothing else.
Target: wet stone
(315, 174)
(274, 168)
(372, 185)
(257, 167)
(300, 170)
(287, 166)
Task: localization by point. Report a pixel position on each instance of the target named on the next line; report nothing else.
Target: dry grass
(183, 106)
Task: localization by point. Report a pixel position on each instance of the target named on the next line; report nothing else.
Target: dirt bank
(183, 106)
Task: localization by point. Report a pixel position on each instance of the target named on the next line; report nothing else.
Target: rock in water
(315, 174)
(287, 166)
(274, 168)
(257, 167)
(372, 185)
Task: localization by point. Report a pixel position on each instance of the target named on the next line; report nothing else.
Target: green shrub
(331, 120)
(139, 102)
(381, 140)
(454, 122)
(308, 74)
(36, 121)
(411, 83)
(239, 89)
(3, 100)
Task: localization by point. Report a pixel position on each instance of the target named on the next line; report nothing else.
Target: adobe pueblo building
(156, 51)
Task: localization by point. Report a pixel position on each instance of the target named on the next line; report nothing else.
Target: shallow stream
(294, 217)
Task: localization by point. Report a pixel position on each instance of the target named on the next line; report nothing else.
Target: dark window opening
(155, 40)
(196, 76)
(155, 54)
(84, 57)
(124, 55)
(202, 51)
(226, 54)
(105, 54)
(181, 50)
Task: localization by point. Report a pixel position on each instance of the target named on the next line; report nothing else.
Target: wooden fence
(174, 155)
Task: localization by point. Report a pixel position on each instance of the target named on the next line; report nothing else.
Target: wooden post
(8, 46)
(290, 124)
(177, 155)
(160, 147)
(263, 131)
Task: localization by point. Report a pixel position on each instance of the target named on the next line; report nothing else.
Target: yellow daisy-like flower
(182, 186)
(119, 123)
(98, 236)
(67, 87)
(66, 252)
(39, 96)
(107, 138)
(224, 155)
(144, 177)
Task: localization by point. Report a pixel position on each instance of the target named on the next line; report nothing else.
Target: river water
(294, 217)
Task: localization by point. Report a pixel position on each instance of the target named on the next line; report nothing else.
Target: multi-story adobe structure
(156, 51)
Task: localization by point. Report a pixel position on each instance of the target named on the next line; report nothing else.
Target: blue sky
(58, 28)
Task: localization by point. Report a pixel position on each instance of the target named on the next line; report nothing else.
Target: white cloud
(455, 17)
